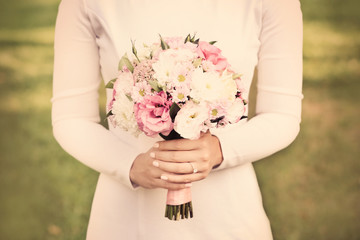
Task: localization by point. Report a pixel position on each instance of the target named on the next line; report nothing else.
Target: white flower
(170, 63)
(164, 69)
(181, 76)
(219, 109)
(124, 82)
(208, 66)
(211, 87)
(180, 93)
(180, 55)
(145, 51)
(235, 111)
(123, 114)
(189, 121)
(229, 89)
(140, 90)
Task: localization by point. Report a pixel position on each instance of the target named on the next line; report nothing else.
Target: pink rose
(212, 54)
(153, 114)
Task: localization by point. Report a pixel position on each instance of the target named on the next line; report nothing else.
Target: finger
(178, 168)
(184, 178)
(160, 183)
(177, 145)
(177, 156)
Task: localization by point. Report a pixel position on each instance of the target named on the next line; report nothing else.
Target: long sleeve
(75, 110)
(278, 109)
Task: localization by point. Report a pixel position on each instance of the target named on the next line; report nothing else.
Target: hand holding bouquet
(178, 88)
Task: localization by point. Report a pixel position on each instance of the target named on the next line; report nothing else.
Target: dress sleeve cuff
(230, 157)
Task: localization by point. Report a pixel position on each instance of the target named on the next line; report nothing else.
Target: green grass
(311, 190)
(45, 194)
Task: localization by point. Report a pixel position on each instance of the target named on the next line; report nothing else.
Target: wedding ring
(194, 168)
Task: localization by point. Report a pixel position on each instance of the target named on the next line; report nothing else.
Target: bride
(135, 173)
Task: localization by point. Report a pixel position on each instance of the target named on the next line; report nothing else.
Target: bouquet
(177, 88)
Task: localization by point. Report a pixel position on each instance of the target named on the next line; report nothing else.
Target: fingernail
(152, 154)
(188, 185)
(156, 145)
(163, 177)
(155, 163)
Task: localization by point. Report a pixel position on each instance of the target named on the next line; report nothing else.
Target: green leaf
(124, 61)
(155, 85)
(188, 38)
(110, 84)
(193, 38)
(212, 42)
(197, 62)
(109, 114)
(134, 51)
(236, 76)
(129, 97)
(164, 45)
(174, 109)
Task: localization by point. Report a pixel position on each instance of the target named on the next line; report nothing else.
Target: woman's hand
(171, 164)
(186, 161)
(145, 174)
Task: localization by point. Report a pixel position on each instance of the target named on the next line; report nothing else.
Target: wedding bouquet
(178, 88)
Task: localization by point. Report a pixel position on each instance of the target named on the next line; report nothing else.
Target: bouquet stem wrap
(178, 204)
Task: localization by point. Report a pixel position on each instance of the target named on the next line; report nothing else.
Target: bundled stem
(175, 212)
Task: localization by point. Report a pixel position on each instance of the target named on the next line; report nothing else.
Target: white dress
(91, 36)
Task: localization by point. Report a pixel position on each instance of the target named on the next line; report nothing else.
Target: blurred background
(311, 190)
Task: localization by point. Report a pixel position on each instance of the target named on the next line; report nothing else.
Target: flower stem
(177, 212)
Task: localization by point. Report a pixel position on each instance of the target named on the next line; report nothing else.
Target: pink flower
(178, 42)
(174, 42)
(212, 54)
(109, 106)
(153, 114)
(143, 71)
